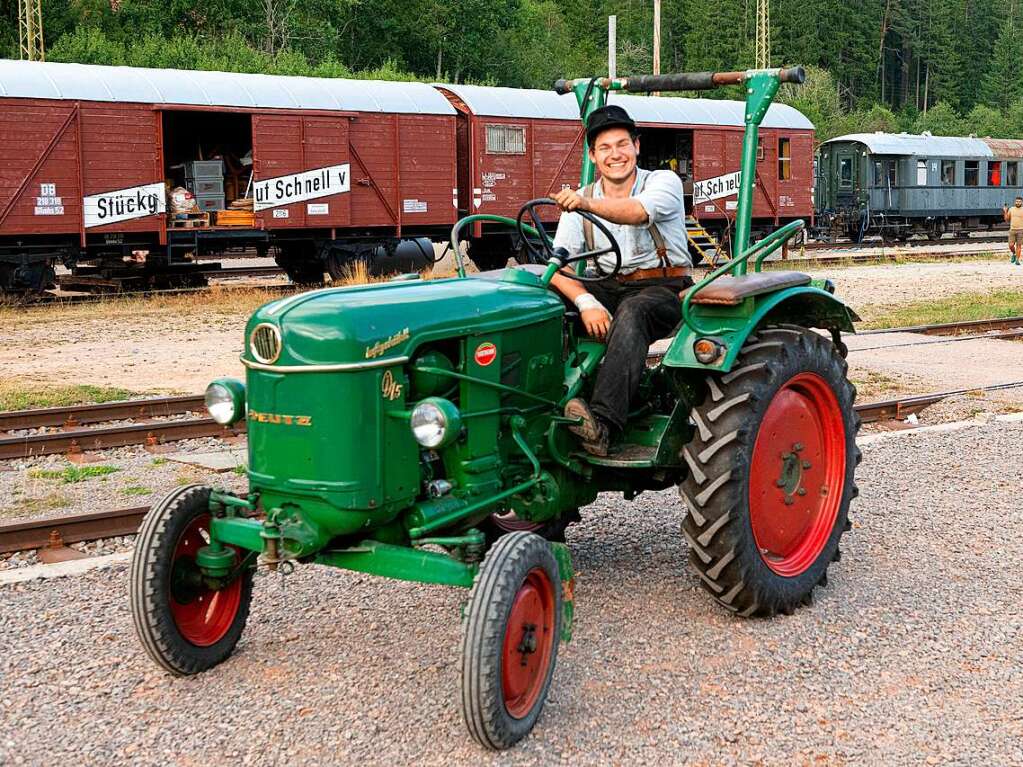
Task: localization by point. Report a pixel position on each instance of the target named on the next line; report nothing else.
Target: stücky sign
(716, 188)
(297, 187)
(124, 204)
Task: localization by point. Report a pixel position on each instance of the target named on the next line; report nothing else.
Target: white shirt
(661, 197)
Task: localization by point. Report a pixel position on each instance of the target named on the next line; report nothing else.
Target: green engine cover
(327, 425)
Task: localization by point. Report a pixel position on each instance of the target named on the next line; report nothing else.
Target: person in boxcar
(1014, 216)
(645, 213)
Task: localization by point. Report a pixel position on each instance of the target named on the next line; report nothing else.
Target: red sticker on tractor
(485, 354)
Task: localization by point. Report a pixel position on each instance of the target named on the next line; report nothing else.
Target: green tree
(941, 120)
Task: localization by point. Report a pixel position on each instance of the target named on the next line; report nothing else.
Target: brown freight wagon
(330, 169)
(529, 143)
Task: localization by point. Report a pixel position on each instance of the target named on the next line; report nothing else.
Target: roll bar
(683, 81)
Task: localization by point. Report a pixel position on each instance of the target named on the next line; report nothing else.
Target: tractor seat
(730, 291)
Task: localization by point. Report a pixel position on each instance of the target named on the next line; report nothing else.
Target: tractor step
(626, 456)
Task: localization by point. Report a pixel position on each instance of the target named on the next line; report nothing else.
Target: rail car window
(878, 174)
(1012, 174)
(948, 172)
(972, 173)
(784, 159)
(994, 174)
(921, 172)
(506, 139)
(845, 171)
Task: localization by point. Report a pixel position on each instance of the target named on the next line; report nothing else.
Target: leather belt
(657, 273)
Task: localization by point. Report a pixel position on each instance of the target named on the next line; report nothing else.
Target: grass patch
(871, 384)
(158, 461)
(22, 394)
(35, 506)
(240, 470)
(136, 490)
(957, 308)
(71, 474)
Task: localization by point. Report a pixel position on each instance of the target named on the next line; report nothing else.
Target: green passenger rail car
(390, 424)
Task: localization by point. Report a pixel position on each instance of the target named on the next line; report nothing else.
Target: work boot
(595, 434)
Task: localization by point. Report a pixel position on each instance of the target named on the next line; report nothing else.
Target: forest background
(951, 67)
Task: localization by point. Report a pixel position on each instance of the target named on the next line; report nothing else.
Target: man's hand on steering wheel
(544, 251)
(570, 200)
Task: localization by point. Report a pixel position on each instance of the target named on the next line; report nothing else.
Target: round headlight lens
(435, 422)
(428, 424)
(225, 401)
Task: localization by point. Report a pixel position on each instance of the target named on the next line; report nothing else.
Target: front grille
(265, 343)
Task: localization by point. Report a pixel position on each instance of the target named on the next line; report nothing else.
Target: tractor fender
(806, 305)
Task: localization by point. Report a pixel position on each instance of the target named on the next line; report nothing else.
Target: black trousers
(641, 313)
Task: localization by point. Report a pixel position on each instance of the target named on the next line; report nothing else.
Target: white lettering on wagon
(124, 204)
(716, 188)
(298, 187)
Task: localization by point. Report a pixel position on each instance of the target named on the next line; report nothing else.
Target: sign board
(298, 187)
(48, 203)
(318, 208)
(413, 206)
(124, 204)
(716, 188)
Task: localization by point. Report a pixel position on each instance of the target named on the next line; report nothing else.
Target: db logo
(485, 354)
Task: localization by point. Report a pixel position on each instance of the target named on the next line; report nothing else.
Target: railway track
(73, 436)
(60, 530)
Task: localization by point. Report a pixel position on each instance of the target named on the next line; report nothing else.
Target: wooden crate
(236, 218)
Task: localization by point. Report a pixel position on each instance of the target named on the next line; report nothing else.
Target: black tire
(150, 585)
(517, 562)
(719, 525)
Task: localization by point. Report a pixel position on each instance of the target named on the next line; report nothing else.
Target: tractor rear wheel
(185, 625)
(771, 472)
(510, 640)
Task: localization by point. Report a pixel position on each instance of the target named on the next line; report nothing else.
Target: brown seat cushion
(730, 291)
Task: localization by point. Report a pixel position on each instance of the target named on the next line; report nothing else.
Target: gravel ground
(909, 657)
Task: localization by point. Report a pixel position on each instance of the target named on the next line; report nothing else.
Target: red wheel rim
(797, 476)
(528, 643)
(202, 615)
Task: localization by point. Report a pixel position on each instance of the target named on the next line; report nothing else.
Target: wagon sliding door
(302, 171)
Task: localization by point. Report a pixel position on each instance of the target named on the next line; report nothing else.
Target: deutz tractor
(396, 428)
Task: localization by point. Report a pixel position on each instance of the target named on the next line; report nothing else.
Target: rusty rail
(80, 440)
(36, 533)
(73, 415)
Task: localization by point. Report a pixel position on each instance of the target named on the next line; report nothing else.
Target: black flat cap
(611, 116)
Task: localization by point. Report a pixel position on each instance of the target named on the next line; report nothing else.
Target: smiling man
(644, 211)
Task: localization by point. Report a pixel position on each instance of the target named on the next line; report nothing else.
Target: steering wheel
(545, 251)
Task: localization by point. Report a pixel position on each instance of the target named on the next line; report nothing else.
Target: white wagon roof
(87, 82)
(918, 145)
(525, 103)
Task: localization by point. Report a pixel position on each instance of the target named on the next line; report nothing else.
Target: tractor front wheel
(771, 472)
(510, 640)
(185, 625)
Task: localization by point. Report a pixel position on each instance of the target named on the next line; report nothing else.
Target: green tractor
(397, 428)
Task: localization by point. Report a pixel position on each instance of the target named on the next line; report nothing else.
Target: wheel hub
(528, 643)
(798, 456)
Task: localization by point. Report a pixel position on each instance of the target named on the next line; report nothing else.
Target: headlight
(435, 422)
(707, 350)
(225, 400)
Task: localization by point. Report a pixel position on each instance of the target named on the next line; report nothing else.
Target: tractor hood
(383, 322)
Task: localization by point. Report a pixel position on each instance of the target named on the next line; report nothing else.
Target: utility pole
(30, 28)
(612, 46)
(657, 37)
(763, 46)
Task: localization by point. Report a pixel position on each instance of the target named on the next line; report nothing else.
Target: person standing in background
(1014, 216)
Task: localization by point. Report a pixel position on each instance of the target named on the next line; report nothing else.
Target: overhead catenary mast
(763, 45)
(30, 28)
